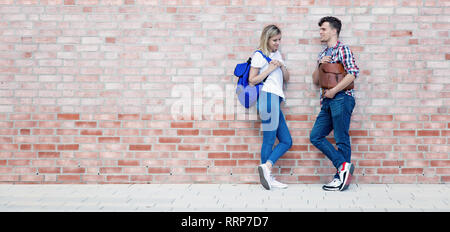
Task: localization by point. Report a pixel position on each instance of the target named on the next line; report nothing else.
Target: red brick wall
(134, 91)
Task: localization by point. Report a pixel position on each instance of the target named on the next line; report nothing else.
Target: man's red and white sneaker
(345, 174)
(334, 185)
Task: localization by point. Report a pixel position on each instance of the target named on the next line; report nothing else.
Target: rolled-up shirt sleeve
(348, 60)
(258, 60)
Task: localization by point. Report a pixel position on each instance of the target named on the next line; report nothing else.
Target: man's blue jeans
(334, 115)
(273, 126)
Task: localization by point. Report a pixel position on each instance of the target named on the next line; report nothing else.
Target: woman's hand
(274, 64)
(254, 78)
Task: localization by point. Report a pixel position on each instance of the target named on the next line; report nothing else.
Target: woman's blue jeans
(274, 126)
(334, 115)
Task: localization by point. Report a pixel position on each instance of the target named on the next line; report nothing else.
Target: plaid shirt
(341, 53)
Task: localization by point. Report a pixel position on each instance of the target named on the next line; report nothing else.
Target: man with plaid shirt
(337, 105)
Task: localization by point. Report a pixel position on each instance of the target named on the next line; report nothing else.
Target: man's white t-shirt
(274, 82)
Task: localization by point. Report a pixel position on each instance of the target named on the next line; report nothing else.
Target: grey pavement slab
(223, 198)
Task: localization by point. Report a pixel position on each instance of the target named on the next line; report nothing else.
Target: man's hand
(329, 93)
(325, 59)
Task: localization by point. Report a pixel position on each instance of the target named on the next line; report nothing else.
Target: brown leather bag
(330, 74)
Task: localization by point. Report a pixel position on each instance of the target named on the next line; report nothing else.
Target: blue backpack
(247, 94)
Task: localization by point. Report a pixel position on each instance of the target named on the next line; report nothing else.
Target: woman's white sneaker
(264, 176)
(276, 184)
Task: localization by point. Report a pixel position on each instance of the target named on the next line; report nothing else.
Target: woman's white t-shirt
(274, 82)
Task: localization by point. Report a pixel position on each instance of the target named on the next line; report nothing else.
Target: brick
(49, 170)
(299, 148)
(362, 140)
(164, 147)
(225, 162)
(68, 116)
(111, 170)
(252, 163)
(67, 132)
(404, 133)
(188, 132)
(181, 125)
(117, 178)
(140, 147)
(153, 48)
(44, 146)
(405, 148)
(25, 147)
(382, 171)
(18, 162)
(386, 125)
(309, 162)
(380, 147)
(242, 155)
(297, 10)
(110, 40)
(109, 139)
(397, 163)
(417, 163)
(169, 140)
(49, 154)
(195, 140)
(237, 147)
(74, 170)
(382, 117)
(309, 179)
(195, 170)
(159, 170)
(68, 147)
(374, 163)
(417, 171)
(91, 132)
(128, 116)
(128, 162)
(401, 33)
(223, 132)
(189, 148)
(9, 147)
(82, 124)
(43, 131)
(428, 133)
(218, 155)
(440, 163)
(357, 133)
(411, 126)
(444, 118)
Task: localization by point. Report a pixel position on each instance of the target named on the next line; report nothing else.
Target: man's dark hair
(334, 23)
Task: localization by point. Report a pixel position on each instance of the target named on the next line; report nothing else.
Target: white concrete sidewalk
(223, 198)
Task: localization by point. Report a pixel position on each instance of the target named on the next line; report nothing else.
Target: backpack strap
(267, 58)
(268, 61)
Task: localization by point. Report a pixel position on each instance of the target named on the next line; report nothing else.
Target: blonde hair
(267, 33)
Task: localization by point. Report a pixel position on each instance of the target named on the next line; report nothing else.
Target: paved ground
(223, 198)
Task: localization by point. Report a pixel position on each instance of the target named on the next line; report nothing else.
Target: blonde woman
(272, 74)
